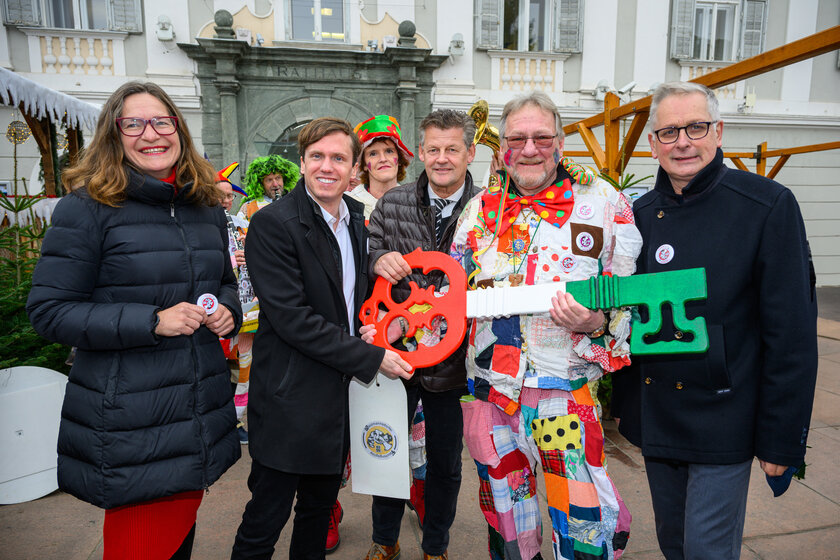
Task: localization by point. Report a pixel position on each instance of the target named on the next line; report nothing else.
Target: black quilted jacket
(402, 221)
(143, 416)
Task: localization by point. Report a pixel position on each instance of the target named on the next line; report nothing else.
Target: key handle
(450, 306)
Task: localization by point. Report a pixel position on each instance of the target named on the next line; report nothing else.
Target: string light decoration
(18, 132)
(61, 142)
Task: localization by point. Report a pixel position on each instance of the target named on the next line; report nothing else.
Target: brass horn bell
(485, 133)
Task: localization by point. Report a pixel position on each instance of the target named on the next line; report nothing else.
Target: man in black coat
(307, 259)
(700, 419)
(423, 215)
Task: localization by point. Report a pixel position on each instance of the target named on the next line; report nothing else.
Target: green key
(675, 287)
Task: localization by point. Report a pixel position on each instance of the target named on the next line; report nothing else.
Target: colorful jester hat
(267, 165)
(224, 176)
(382, 126)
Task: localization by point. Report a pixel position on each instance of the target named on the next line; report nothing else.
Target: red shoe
(333, 539)
(417, 499)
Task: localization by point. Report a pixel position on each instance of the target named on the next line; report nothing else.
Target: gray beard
(520, 181)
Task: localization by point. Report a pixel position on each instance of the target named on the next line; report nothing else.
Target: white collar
(454, 197)
(343, 212)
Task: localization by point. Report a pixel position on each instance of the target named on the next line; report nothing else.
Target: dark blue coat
(751, 393)
(143, 416)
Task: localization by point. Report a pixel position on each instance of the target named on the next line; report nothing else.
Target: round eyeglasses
(542, 141)
(694, 131)
(133, 126)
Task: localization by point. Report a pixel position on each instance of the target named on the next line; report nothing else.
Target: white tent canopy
(41, 101)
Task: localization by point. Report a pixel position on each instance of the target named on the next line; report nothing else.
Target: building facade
(292, 60)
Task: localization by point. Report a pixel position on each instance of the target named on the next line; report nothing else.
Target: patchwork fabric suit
(529, 400)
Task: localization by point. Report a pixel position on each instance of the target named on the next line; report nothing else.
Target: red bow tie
(553, 204)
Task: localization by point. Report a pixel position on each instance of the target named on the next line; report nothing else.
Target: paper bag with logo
(379, 438)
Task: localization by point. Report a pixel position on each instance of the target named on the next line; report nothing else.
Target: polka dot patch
(557, 432)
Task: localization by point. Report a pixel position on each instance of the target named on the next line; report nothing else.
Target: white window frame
(42, 15)
(683, 14)
(489, 26)
(713, 7)
(318, 37)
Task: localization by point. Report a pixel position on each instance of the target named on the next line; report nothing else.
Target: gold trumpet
(485, 133)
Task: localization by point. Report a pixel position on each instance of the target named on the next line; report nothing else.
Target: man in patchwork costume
(549, 220)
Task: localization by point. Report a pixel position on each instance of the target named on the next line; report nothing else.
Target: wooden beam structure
(612, 161)
(761, 155)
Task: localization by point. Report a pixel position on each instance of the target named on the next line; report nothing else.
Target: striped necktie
(440, 205)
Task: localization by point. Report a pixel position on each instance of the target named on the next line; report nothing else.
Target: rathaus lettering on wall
(318, 73)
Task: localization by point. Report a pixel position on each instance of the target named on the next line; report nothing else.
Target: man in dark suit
(307, 259)
(701, 418)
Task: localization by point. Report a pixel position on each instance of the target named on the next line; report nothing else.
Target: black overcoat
(751, 393)
(143, 416)
(304, 351)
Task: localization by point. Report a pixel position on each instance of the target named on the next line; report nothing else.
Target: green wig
(267, 165)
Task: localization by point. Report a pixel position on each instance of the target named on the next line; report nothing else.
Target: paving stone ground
(803, 524)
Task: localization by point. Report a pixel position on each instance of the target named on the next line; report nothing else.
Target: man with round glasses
(700, 419)
(548, 220)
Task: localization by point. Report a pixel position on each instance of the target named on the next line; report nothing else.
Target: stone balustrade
(526, 71)
(72, 51)
(692, 69)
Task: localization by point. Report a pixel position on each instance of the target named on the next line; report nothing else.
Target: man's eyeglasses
(694, 131)
(133, 126)
(227, 197)
(542, 141)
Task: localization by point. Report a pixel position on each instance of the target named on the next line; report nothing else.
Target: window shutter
(682, 28)
(22, 12)
(125, 15)
(753, 25)
(568, 26)
(488, 24)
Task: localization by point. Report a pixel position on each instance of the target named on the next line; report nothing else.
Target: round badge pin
(664, 254)
(569, 263)
(584, 241)
(585, 211)
(209, 302)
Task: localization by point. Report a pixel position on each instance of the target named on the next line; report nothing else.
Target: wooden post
(612, 132)
(41, 132)
(760, 159)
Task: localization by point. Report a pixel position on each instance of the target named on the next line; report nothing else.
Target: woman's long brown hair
(101, 165)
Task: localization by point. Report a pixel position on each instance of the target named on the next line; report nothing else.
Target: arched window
(286, 143)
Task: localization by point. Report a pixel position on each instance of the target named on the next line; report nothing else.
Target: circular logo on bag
(379, 440)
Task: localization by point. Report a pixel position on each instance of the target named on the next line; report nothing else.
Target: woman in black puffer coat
(148, 421)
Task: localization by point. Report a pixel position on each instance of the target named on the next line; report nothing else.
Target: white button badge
(585, 241)
(585, 211)
(664, 254)
(209, 302)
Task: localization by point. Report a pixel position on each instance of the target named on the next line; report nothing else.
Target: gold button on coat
(660, 214)
(647, 380)
(679, 385)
